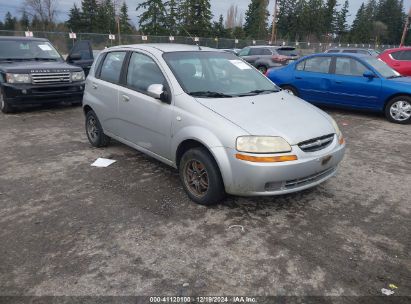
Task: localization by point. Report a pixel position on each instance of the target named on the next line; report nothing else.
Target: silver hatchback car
(224, 125)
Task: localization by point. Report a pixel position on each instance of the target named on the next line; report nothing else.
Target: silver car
(214, 117)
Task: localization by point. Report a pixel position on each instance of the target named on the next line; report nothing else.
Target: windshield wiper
(210, 94)
(46, 59)
(394, 76)
(257, 92)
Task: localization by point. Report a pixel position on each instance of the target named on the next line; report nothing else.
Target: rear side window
(256, 51)
(333, 51)
(406, 55)
(396, 55)
(266, 52)
(315, 65)
(143, 72)
(349, 67)
(111, 68)
(244, 52)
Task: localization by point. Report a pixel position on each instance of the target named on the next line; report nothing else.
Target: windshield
(287, 51)
(382, 68)
(217, 74)
(27, 50)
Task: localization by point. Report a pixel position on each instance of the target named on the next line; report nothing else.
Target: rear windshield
(287, 51)
(27, 50)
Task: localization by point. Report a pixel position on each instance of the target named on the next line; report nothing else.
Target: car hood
(402, 80)
(277, 114)
(37, 67)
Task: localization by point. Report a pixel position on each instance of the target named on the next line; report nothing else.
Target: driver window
(349, 67)
(143, 72)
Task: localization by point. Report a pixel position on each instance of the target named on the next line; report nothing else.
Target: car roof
(339, 55)
(165, 47)
(271, 46)
(349, 48)
(18, 38)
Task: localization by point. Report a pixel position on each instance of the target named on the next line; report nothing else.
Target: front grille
(316, 144)
(309, 179)
(47, 78)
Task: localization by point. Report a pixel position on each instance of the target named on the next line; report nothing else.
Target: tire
(262, 68)
(398, 110)
(5, 107)
(94, 131)
(290, 89)
(204, 185)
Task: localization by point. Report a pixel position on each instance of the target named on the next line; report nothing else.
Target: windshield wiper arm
(46, 59)
(210, 94)
(256, 92)
(394, 76)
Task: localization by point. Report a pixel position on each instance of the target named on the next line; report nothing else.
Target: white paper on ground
(103, 162)
(387, 292)
(240, 64)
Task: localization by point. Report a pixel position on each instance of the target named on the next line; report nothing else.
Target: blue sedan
(348, 80)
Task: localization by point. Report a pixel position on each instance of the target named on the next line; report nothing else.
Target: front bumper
(21, 94)
(263, 179)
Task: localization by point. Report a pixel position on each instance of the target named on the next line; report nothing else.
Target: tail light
(280, 58)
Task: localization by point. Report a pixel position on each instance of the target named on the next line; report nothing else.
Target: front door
(145, 121)
(81, 55)
(351, 88)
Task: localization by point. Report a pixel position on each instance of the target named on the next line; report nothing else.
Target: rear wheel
(94, 131)
(290, 89)
(398, 110)
(201, 177)
(5, 107)
(262, 69)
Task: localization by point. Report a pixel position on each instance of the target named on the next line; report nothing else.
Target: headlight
(77, 76)
(338, 132)
(18, 78)
(262, 144)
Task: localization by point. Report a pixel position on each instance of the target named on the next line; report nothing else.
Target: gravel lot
(67, 228)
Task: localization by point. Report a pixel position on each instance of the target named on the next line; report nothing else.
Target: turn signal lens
(266, 159)
(341, 140)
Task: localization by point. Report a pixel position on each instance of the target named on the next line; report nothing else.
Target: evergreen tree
(152, 20)
(219, 29)
(89, 15)
(1, 25)
(341, 22)
(360, 26)
(106, 17)
(196, 17)
(256, 19)
(10, 22)
(24, 21)
(74, 23)
(36, 24)
(172, 7)
(125, 26)
(391, 13)
(330, 17)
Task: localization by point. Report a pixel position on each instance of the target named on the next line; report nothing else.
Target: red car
(399, 59)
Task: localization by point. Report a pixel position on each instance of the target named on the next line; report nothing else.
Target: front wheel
(398, 110)
(262, 69)
(5, 107)
(94, 131)
(201, 177)
(291, 90)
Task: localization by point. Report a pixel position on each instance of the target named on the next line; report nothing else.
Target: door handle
(95, 86)
(298, 77)
(126, 98)
(338, 81)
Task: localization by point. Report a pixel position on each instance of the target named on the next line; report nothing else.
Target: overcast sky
(218, 7)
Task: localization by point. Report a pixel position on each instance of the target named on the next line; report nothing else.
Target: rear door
(349, 86)
(144, 120)
(401, 62)
(81, 55)
(102, 90)
(312, 78)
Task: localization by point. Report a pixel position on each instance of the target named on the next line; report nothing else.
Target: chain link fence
(63, 42)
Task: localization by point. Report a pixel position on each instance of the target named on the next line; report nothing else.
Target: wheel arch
(86, 109)
(388, 99)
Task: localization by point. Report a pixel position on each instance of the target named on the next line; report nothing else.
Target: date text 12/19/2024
(203, 299)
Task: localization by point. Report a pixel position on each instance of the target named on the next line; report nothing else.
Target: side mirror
(157, 91)
(74, 57)
(369, 74)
